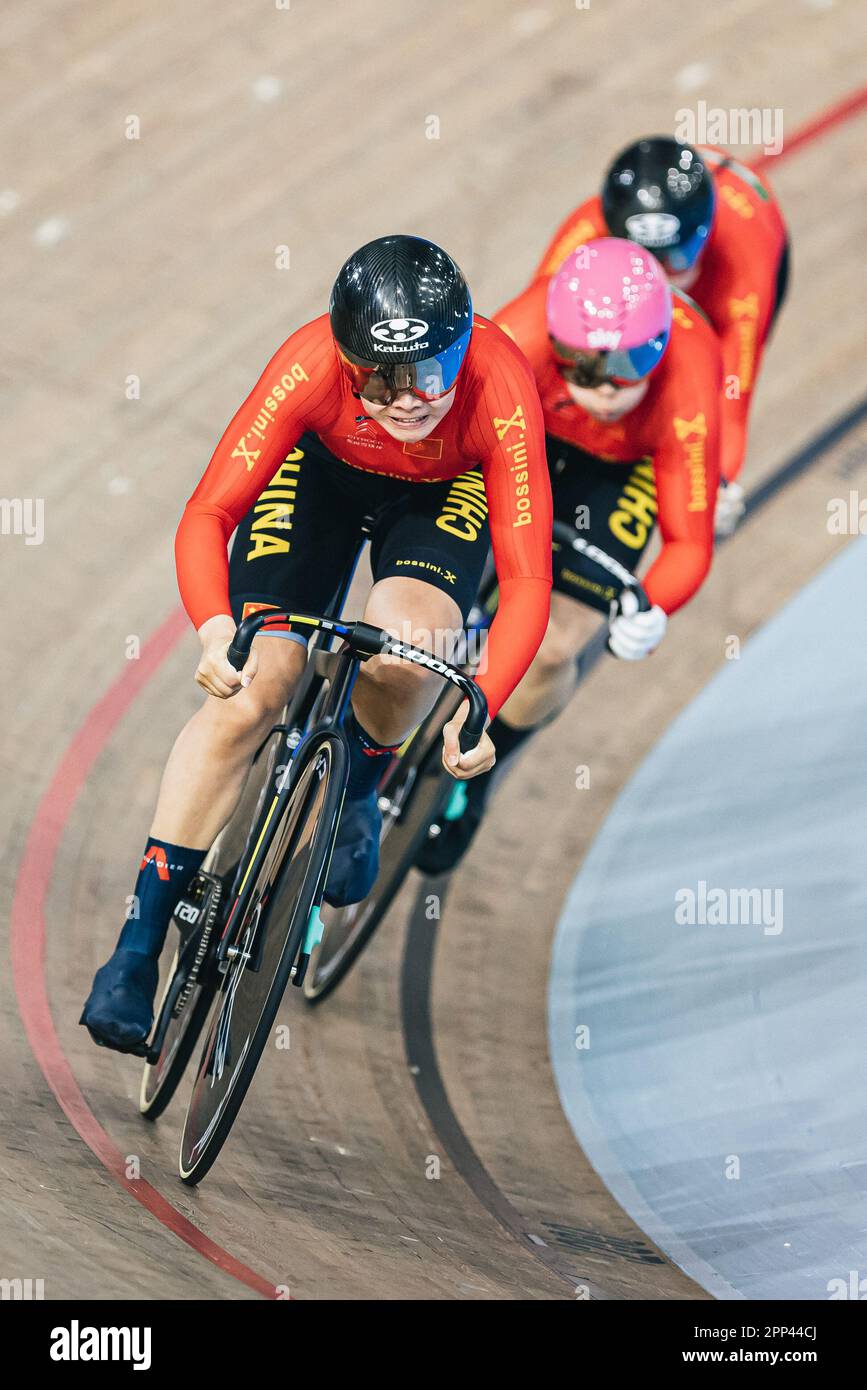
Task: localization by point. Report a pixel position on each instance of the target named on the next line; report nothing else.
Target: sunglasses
(613, 368)
(430, 379)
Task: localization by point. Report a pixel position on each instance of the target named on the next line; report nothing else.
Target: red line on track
(43, 842)
(28, 944)
(833, 115)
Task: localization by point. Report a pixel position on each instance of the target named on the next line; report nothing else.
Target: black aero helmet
(401, 315)
(659, 193)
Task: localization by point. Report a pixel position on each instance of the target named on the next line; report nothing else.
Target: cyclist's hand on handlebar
(463, 766)
(215, 673)
(635, 635)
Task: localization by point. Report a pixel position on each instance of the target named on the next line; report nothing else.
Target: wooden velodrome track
(154, 258)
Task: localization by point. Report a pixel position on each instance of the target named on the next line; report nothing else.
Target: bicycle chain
(201, 951)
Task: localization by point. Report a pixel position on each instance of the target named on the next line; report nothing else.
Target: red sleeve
(743, 261)
(686, 463)
(744, 328)
(507, 435)
(585, 223)
(300, 377)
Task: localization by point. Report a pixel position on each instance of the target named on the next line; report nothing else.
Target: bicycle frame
(341, 680)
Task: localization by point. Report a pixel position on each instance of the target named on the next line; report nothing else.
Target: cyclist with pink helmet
(629, 373)
(612, 301)
(718, 231)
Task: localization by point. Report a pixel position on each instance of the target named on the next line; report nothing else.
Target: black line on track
(417, 1022)
(416, 976)
(804, 458)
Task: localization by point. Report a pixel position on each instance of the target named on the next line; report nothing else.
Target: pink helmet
(611, 298)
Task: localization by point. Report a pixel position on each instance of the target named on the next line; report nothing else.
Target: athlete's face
(607, 403)
(409, 417)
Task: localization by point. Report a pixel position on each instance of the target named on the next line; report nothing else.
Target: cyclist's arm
(509, 438)
(687, 476)
(743, 322)
(585, 223)
(251, 450)
(741, 356)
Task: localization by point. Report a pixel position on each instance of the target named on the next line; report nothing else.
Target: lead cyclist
(399, 408)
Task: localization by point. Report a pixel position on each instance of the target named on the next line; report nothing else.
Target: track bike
(416, 795)
(252, 916)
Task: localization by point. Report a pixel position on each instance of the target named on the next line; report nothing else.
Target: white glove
(632, 635)
(730, 507)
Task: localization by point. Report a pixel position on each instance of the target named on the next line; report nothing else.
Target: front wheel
(261, 948)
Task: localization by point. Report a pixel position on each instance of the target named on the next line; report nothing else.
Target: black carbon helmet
(660, 193)
(402, 300)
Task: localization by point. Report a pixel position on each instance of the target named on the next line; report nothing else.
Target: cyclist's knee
(420, 615)
(399, 680)
(417, 613)
(248, 716)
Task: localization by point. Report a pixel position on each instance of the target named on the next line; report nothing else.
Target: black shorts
(611, 505)
(294, 546)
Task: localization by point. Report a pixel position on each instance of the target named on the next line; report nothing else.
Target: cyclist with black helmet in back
(400, 409)
(717, 230)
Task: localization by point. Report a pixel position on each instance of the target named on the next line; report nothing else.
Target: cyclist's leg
(427, 554)
(290, 550)
(613, 506)
(550, 683)
(208, 765)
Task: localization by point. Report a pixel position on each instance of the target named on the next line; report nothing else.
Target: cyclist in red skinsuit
(656, 457)
(738, 280)
(675, 427)
(495, 421)
(398, 412)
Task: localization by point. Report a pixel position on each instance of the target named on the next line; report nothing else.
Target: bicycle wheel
(292, 865)
(411, 797)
